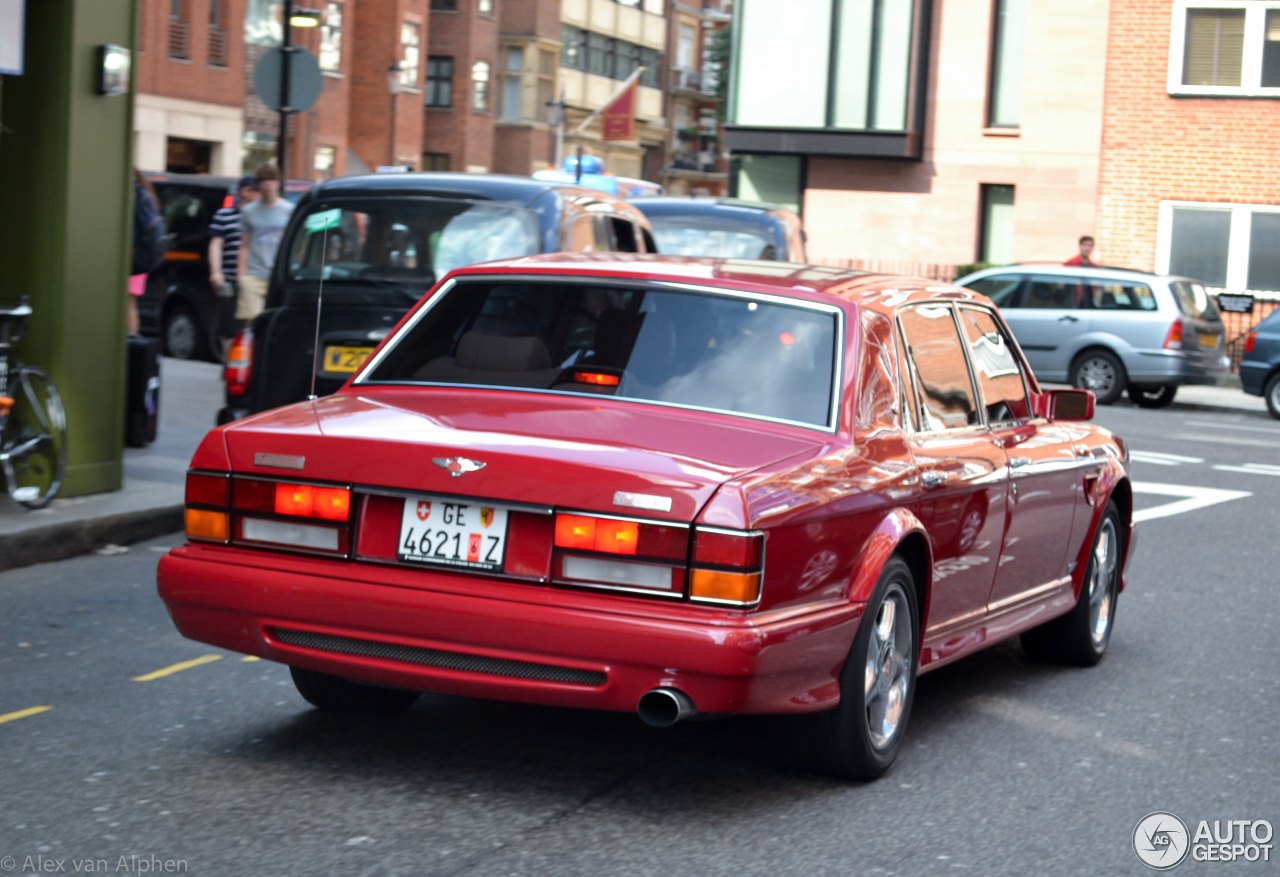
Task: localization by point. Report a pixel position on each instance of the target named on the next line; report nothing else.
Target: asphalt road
(1008, 767)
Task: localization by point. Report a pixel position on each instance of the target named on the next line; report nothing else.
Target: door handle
(1068, 318)
(934, 479)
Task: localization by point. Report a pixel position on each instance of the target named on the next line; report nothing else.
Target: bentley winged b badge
(457, 465)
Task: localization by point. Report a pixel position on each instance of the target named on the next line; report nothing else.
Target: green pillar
(66, 223)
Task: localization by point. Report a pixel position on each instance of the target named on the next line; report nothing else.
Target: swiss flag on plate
(424, 510)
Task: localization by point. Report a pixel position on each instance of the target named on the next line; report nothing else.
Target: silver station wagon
(1110, 329)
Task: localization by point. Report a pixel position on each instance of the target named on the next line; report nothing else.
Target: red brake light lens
(1250, 340)
(1173, 341)
(295, 500)
(239, 363)
(614, 536)
(599, 379)
(208, 490)
(717, 548)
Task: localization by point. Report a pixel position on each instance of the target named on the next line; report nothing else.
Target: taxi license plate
(1207, 340)
(449, 533)
(345, 359)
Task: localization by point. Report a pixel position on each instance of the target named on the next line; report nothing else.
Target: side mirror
(1066, 404)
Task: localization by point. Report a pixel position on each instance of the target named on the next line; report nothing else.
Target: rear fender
(1112, 484)
(898, 527)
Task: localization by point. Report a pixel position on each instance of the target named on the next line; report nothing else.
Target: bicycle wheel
(33, 449)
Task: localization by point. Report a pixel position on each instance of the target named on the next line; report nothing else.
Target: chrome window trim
(834, 399)
(400, 493)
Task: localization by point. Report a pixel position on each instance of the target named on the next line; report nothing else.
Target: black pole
(286, 64)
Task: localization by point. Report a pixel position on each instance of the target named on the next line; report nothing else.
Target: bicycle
(33, 423)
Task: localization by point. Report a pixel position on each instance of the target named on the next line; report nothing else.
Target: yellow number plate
(345, 359)
(1207, 340)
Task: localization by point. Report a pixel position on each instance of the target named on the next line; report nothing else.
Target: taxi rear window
(754, 356)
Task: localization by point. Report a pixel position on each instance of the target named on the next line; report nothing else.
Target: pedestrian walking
(224, 258)
(262, 225)
(1083, 257)
(149, 243)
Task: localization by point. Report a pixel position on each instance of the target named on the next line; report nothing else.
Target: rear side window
(1106, 295)
(186, 217)
(995, 367)
(939, 372)
(1193, 301)
(1051, 291)
(1001, 288)
(756, 357)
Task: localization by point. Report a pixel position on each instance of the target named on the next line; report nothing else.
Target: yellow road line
(247, 658)
(22, 714)
(177, 668)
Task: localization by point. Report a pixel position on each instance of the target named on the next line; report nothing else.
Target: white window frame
(1237, 241)
(1255, 17)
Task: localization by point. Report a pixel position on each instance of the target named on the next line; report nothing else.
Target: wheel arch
(1097, 344)
(900, 534)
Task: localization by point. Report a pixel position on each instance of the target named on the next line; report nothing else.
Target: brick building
(1190, 138)
(693, 156)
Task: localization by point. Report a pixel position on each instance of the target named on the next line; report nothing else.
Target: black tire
(338, 695)
(1080, 637)
(1153, 396)
(34, 440)
(183, 333)
(859, 739)
(1101, 371)
(1272, 394)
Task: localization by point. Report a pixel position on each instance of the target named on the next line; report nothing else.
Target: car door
(1044, 471)
(961, 465)
(1047, 317)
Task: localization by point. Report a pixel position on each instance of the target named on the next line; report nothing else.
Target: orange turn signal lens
(203, 524)
(724, 587)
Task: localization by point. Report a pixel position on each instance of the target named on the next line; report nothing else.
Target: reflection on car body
(666, 486)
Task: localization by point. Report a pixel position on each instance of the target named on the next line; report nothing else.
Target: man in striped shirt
(224, 258)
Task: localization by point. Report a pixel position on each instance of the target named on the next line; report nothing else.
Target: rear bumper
(1253, 376)
(504, 641)
(1161, 367)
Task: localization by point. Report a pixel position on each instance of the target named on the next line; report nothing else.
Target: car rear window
(684, 236)
(1000, 288)
(754, 356)
(1194, 301)
(405, 240)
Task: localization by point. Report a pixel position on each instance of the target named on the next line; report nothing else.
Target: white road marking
(1041, 722)
(1161, 459)
(1251, 469)
(1227, 440)
(1193, 498)
(1273, 430)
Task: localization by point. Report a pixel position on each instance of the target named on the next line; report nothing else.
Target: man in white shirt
(262, 225)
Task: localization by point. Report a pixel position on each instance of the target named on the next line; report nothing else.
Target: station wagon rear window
(755, 356)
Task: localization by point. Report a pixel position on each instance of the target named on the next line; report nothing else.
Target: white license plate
(450, 533)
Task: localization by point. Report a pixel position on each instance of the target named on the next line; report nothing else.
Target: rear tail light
(727, 566)
(310, 517)
(589, 549)
(1173, 341)
(239, 365)
(1250, 340)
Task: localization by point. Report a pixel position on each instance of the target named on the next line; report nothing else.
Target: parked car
(726, 228)
(666, 486)
(1110, 329)
(1260, 367)
(179, 305)
(378, 242)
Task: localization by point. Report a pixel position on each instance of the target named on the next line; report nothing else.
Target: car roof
(487, 187)
(212, 181)
(881, 292)
(678, 205)
(1100, 271)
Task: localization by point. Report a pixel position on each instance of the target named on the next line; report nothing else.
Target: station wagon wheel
(859, 739)
(338, 695)
(1153, 397)
(1100, 371)
(1272, 395)
(1081, 636)
(182, 333)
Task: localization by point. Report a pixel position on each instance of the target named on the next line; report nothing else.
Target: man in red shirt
(1086, 250)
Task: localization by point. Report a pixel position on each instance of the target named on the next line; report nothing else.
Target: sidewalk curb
(72, 538)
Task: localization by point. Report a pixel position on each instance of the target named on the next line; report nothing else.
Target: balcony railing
(687, 79)
(179, 39)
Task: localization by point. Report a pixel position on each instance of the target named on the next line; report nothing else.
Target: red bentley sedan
(669, 486)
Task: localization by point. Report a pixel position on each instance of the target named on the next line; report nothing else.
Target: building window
(179, 31)
(484, 7)
(480, 86)
(262, 23)
(411, 43)
(773, 178)
(1225, 48)
(1225, 246)
(599, 54)
(546, 78)
(1004, 97)
(573, 49)
(435, 161)
(331, 37)
(440, 81)
(217, 34)
(512, 81)
(326, 158)
(444, 5)
(995, 230)
(651, 60)
(684, 46)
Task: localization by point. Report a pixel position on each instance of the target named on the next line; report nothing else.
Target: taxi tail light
(207, 498)
(1249, 341)
(271, 513)
(589, 551)
(727, 567)
(1173, 341)
(239, 366)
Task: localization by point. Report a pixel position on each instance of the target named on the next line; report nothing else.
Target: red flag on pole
(619, 115)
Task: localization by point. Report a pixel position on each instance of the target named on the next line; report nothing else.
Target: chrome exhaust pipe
(663, 707)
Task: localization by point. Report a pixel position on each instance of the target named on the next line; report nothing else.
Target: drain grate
(345, 645)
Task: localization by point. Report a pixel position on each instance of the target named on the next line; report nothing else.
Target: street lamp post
(393, 85)
(293, 17)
